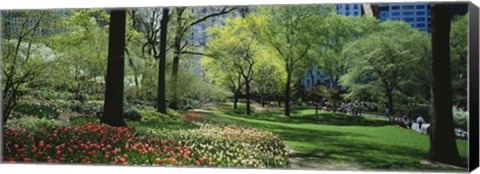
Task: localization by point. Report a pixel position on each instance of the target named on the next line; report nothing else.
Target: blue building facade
(417, 15)
(349, 9)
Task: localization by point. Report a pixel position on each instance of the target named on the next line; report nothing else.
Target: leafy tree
(388, 57)
(234, 44)
(23, 55)
(341, 31)
(292, 31)
(113, 108)
(443, 146)
(155, 45)
(82, 54)
(183, 21)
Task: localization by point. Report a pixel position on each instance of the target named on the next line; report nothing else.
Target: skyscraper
(417, 15)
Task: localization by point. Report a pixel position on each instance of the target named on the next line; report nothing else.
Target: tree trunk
(161, 102)
(247, 95)
(113, 106)
(287, 94)
(235, 99)
(390, 102)
(176, 59)
(442, 139)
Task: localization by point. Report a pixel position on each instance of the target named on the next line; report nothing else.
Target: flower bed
(100, 144)
(232, 146)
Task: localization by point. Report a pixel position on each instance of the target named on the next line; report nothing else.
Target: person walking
(420, 121)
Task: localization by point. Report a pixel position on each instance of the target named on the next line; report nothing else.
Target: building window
(421, 19)
(347, 13)
(408, 7)
(395, 7)
(420, 25)
(395, 13)
(420, 6)
(408, 19)
(347, 6)
(420, 13)
(355, 13)
(408, 13)
(355, 6)
(338, 7)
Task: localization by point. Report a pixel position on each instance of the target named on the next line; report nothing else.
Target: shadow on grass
(325, 146)
(322, 118)
(317, 146)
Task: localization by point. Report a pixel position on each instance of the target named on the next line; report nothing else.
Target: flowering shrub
(33, 123)
(95, 143)
(232, 146)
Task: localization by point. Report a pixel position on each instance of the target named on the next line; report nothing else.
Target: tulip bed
(232, 146)
(99, 144)
(206, 145)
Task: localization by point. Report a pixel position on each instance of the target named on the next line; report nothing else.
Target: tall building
(417, 15)
(349, 9)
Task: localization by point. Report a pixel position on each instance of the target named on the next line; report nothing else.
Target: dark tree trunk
(390, 102)
(176, 58)
(262, 100)
(287, 94)
(247, 95)
(113, 107)
(161, 102)
(235, 100)
(442, 139)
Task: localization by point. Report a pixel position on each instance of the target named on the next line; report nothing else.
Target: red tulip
(159, 161)
(41, 144)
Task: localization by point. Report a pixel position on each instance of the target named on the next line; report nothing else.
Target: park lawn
(377, 146)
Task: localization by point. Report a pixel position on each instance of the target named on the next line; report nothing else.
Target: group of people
(354, 108)
(406, 122)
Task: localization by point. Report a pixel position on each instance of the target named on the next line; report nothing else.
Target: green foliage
(48, 94)
(38, 110)
(150, 115)
(87, 108)
(458, 51)
(393, 62)
(460, 118)
(34, 124)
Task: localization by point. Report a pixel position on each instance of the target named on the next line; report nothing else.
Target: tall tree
(389, 57)
(113, 106)
(443, 146)
(293, 31)
(155, 45)
(235, 45)
(184, 20)
(161, 102)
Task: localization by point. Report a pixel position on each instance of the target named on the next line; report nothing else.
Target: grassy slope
(320, 139)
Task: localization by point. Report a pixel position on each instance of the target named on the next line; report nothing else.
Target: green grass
(329, 138)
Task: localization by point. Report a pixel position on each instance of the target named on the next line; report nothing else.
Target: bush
(148, 115)
(460, 118)
(33, 124)
(132, 114)
(88, 108)
(37, 109)
(48, 94)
